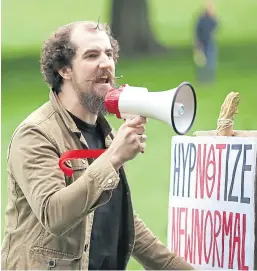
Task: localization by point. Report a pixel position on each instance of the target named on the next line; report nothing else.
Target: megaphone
(176, 107)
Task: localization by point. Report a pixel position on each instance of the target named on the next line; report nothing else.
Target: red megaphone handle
(76, 154)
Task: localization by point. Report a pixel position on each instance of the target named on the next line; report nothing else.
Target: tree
(130, 26)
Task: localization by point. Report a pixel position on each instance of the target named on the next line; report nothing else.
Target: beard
(93, 102)
(92, 99)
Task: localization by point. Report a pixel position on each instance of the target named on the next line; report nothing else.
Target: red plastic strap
(77, 154)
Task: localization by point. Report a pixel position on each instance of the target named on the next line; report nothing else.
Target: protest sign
(211, 201)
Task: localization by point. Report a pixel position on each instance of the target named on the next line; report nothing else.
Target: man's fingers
(142, 138)
(142, 147)
(136, 121)
(138, 130)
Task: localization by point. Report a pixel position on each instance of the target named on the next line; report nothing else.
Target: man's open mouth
(103, 80)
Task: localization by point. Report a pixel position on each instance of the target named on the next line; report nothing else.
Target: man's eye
(110, 54)
(92, 56)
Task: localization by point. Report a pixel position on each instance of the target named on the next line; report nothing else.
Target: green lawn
(24, 27)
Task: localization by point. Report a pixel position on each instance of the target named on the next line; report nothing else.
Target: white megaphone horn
(177, 106)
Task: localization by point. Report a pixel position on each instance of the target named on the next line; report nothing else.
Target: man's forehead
(88, 36)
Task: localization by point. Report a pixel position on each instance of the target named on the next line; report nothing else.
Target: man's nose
(105, 63)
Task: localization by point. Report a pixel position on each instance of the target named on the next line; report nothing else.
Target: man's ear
(65, 73)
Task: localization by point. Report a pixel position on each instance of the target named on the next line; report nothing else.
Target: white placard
(211, 201)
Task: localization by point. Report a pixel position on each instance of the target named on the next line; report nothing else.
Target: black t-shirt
(107, 224)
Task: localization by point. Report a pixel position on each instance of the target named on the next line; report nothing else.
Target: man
(206, 49)
(85, 221)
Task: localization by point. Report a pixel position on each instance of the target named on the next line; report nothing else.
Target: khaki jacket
(49, 216)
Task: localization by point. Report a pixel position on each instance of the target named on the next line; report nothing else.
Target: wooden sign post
(212, 204)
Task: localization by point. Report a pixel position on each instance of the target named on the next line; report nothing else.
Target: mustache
(106, 73)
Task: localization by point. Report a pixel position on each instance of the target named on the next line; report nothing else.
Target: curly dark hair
(58, 51)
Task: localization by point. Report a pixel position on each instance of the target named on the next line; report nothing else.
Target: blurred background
(160, 48)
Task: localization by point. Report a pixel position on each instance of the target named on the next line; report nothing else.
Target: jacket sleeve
(152, 254)
(33, 161)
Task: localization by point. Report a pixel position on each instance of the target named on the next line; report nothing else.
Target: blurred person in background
(85, 221)
(205, 51)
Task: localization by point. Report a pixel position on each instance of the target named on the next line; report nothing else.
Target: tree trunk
(130, 26)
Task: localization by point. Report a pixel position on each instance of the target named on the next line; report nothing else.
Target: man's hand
(128, 142)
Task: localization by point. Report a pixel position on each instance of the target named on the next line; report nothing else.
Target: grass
(23, 90)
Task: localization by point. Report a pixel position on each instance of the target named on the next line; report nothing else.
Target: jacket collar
(70, 124)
